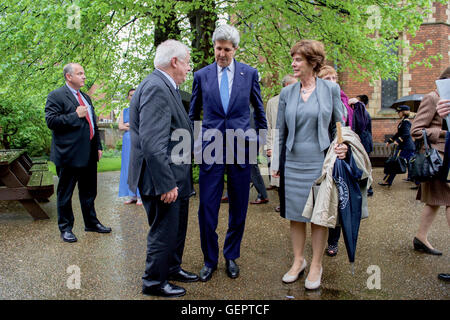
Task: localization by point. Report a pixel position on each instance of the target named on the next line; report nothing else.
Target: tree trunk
(203, 22)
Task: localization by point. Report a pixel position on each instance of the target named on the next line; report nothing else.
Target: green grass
(105, 164)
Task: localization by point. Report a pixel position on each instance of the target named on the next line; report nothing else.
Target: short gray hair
(226, 32)
(68, 69)
(287, 79)
(167, 50)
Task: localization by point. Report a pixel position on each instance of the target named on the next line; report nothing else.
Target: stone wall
(110, 134)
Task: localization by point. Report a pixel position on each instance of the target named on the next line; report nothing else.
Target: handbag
(425, 166)
(395, 164)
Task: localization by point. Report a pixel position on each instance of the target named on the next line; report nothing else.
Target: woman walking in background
(434, 193)
(402, 141)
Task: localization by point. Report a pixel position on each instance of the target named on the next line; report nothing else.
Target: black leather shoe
(384, 184)
(206, 273)
(166, 290)
(184, 276)
(444, 276)
(232, 269)
(420, 246)
(98, 228)
(68, 236)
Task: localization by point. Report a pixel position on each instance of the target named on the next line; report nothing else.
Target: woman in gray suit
(306, 123)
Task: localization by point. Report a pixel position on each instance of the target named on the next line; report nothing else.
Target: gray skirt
(299, 176)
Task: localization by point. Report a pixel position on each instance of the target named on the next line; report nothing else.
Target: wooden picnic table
(25, 181)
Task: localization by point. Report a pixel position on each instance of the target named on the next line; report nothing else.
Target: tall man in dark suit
(157, 120)
(75, 150)
(224, 90)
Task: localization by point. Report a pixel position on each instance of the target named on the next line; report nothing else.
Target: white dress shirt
(230, 74)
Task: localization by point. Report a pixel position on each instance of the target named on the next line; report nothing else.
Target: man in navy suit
(225, 90)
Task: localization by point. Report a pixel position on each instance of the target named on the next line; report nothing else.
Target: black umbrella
(413, 102)
(346, 176)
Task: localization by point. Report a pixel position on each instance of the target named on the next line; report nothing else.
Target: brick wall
(436, 27)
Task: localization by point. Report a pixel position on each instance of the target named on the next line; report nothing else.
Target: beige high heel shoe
(314, 285)
(287, 278)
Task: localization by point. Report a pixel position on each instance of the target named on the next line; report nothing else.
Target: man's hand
(269, 152)
(443, 108)
(170, 196)
(341, 150)
(82, 111)
(100, 154)
(276, 174)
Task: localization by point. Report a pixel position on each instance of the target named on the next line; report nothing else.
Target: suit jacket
(330, 112)
(156, 111)
(427, 118)
(403, 136)
(71, 146)
(245, 92)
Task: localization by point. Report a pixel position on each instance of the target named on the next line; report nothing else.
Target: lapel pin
(242, 73)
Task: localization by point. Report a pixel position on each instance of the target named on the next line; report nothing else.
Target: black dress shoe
(444, 276)
(184, 276)
(98, 228)
(166, 290)
(384, 184)
(420, 246)
(68, 236)
(206, 273)
(232, 269)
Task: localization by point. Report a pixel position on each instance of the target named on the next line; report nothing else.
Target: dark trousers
(258, 182)
(166, 238)
(211, 185)
(334, 235)
(87, 192)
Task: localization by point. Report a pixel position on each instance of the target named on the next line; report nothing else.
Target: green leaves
(114, 40)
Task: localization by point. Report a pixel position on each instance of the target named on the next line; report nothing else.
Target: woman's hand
(276, 174)
(341, 150)
(443, 108)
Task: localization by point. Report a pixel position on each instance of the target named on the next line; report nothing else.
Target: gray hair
(167, 50)
(286, 79)
(226, 32)
(68, 69)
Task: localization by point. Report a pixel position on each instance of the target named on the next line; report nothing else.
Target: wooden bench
(379, 154)
(23, 180)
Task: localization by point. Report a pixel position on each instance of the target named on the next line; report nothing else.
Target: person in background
(402, 140)
(443, 109)
(330, 74)
(433, 193)
(271, 115)
(76, 149)
(306, 123)
(362, 124)
(124, 125)
(255, 174)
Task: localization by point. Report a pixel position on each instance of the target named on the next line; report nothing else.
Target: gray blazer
(156, 111)
(330, 112)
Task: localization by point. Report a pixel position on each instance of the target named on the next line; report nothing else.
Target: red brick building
(436, 27)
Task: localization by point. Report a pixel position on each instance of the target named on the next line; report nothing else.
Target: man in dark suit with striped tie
(75, 151)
